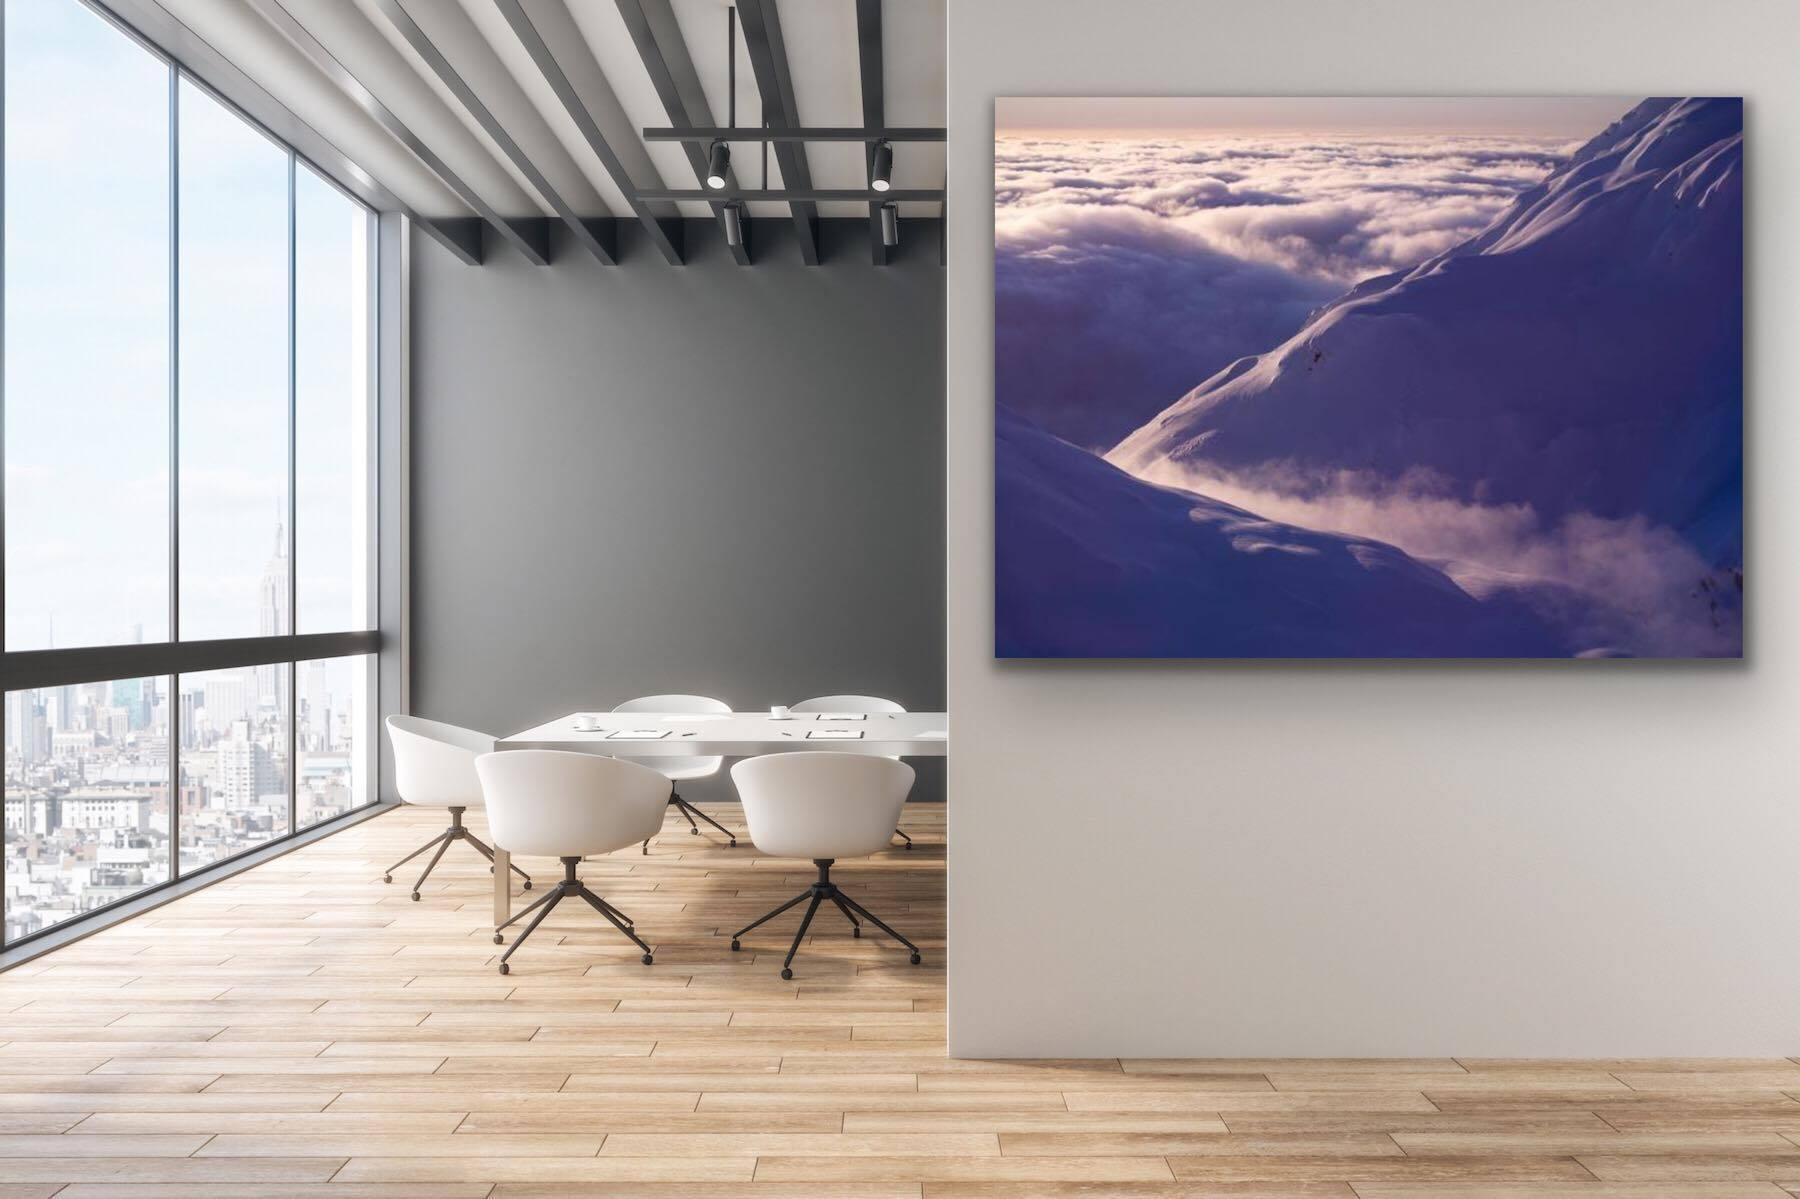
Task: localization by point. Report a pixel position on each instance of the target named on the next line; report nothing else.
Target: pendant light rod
(731, 66)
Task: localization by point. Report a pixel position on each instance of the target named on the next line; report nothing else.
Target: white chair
(569, 805)
(434, 766)
(853, 703)
(681, 770)
(822, 805)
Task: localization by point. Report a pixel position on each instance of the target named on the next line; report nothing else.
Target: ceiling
(522, 114)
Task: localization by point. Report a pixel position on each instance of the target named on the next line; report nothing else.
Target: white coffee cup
(586, 723)
(779, 712)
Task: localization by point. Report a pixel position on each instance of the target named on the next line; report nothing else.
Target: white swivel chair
(434, 766)
(681, 770)
(569, 805)
(854, 703)
(824, 806)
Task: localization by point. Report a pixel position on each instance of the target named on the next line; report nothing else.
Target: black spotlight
(881, 171)
(718, 164)
(890, 224)
(734, 226)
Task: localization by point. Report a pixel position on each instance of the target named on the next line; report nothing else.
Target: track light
(734, 226)
(718, 164)
(890, 224)
(882, 170)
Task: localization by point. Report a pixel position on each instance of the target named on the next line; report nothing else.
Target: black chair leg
(800, 898)
(549, 901)
(805, 923)
(487, 851)
(613, 914)
(819, 892)
(388, 876)
(904, 838)
(855, 924)
(872, 918)
(569, 885)
(690, 811)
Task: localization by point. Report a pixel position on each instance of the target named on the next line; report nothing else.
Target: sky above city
(87, 326)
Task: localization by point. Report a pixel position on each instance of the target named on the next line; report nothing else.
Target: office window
(331, 407)
(336, 737)
(233, 314)
(189, 458)
(87, 332)
(233, 728)
(87, 798)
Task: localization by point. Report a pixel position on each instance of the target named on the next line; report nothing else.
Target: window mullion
(293, 501)
(174, 683)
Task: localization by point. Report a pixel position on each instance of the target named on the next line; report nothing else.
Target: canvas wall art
(1368, 378)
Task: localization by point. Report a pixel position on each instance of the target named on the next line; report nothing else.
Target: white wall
(1377, 858)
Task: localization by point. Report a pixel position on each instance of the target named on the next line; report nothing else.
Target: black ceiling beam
(868, 57)
(792, 195)
(662, 236)
(530, 236)
(595, 236)
(153, 25)
(828, 133)
(661, 63)
(768, 61)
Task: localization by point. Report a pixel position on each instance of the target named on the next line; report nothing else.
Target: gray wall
(1566, 859)
(710, 479)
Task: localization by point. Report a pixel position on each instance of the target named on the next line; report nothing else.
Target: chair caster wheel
(490, 869)
(505, 969)
(648, 959)
(734, 843)
(735, 947)
(915, 959)
(387, 878)
(786, 973)
(415, 897)
(499, 940)
(909, 845)
(693, 832)
(855, 931)
(527, 885)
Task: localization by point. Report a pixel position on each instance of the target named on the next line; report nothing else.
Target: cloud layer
(1127, 271)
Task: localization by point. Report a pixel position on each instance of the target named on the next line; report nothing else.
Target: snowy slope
(1581, 356)
(1091, 562)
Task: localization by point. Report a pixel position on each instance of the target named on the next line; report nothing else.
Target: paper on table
(843, 716)
(637, 734)
(834, 734)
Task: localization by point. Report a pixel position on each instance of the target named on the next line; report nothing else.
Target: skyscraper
(273, 618)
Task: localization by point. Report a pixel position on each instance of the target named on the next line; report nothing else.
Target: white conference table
(733, 735)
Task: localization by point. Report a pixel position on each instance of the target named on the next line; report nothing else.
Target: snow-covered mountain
(1579, 359)
(1092, 562)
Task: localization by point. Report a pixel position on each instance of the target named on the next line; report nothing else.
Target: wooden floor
(302, 1029)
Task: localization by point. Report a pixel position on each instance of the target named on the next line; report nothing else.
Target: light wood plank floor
(302, 1029)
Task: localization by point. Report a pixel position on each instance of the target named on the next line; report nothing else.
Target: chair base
(690, 811)
(898, 833)
(821, 891)
(456, 832)
(569, 886)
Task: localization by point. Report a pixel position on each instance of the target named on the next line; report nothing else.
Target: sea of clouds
(1129, 270)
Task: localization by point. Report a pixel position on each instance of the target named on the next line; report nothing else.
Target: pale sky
(1518, 116)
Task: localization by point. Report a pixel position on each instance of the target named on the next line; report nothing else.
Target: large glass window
(234, 760)
(188, 660)
(233, 322)
(331, 407)
(336, 738)
(87, 798)
(87, 332)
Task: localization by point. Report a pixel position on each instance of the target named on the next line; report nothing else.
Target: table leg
(502, 886)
